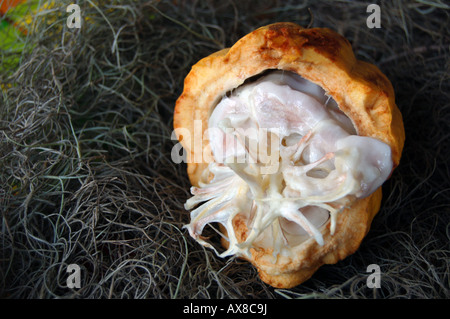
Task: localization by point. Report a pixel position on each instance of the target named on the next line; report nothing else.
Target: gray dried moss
(86, 175)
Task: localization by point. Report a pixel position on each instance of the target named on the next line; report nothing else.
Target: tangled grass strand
(86, 175)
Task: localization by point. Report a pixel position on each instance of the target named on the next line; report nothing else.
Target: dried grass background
(86, 175)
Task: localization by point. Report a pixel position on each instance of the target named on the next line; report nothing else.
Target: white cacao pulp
(287, 160)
